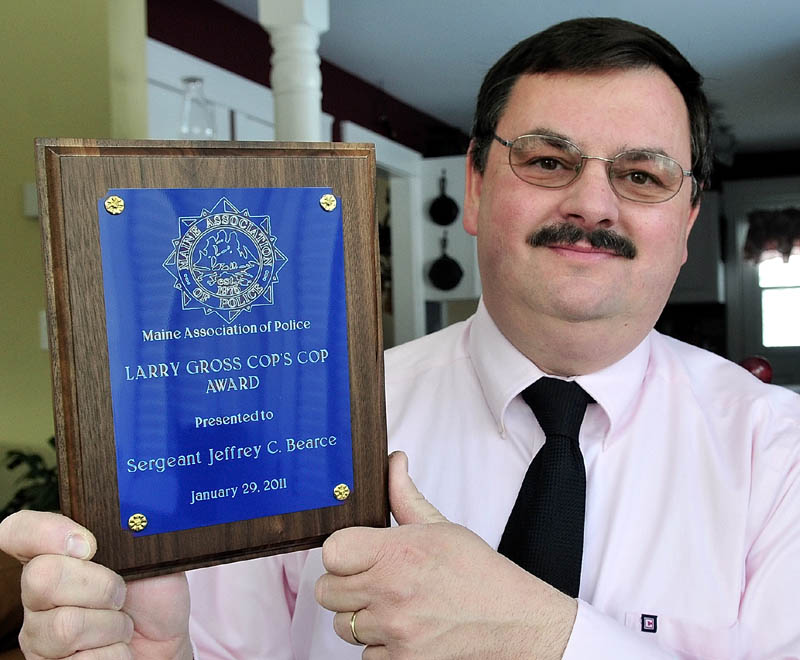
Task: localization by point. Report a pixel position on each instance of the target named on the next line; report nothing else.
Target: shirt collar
(503, 372)
(617, 387)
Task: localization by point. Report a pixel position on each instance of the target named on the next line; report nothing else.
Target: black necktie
(544, 533)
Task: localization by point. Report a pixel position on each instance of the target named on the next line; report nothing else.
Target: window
(779, 282)
(762, 298)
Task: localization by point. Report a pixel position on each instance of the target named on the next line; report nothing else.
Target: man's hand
(432, 589)
(73, 605)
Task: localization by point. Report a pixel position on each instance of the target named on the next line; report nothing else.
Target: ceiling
(432, 54)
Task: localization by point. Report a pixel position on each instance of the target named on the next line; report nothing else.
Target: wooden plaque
(74, 177)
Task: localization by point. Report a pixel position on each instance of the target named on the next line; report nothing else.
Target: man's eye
(544, 163)
(640, 178)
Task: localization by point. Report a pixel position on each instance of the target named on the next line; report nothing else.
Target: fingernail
(129, 629)
(119, 596)
(78, 546)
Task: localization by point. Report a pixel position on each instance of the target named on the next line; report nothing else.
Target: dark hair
(587, 45)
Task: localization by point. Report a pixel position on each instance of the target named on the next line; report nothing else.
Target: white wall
(243, 109)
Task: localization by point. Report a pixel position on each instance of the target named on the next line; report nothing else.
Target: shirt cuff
(599, 637)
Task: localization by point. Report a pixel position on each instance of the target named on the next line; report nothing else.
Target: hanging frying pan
(444, 209)
(445, 273)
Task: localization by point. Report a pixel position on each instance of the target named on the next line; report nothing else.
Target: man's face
(604, 114)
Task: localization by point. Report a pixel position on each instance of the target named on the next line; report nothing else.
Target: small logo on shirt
(649, 623)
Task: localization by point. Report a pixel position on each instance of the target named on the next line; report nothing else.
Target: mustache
(569, 234)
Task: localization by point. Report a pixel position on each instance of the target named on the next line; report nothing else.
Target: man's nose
(590, 200)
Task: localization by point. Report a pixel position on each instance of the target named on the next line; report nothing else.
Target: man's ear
(472, 194)
(692, 218)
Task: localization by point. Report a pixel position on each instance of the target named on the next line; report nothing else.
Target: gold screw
(341, 492)
(328, 202)
(137, 522)
(115, 205)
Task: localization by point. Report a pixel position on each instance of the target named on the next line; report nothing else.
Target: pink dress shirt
(692, 534)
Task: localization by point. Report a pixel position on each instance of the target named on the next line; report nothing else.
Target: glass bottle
(197, 117)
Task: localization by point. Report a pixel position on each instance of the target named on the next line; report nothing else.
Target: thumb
(407, 503)
(26, 534)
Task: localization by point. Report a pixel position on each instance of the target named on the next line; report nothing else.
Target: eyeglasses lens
(545, 161)
(551, 162)
(645, 177)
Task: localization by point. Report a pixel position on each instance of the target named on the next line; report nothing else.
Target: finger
(166, 594)
(407, 503)
(375, 653)
(60, 632)
(353, 550)
(340, 594)
(363, 624)
(50, 581)
(113, 652)
(26, 534)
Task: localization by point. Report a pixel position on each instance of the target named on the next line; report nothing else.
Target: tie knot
(559, 406)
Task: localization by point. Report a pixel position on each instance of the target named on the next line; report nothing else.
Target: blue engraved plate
(227, 344)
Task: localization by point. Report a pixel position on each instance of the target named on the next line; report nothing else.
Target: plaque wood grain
(73, 174)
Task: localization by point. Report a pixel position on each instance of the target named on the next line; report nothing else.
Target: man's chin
(592, 309)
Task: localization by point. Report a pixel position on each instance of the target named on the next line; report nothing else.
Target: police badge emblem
(225, 261)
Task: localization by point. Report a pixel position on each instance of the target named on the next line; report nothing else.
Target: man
(589, 149)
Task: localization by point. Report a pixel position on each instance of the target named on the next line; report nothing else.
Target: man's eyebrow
(549, 132)
(651, 150)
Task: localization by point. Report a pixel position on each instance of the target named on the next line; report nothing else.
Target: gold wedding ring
(353, 629)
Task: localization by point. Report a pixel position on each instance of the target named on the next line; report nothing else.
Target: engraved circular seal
(225, 261)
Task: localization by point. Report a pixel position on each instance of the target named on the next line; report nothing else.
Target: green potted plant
(38, 489)
(38, 482)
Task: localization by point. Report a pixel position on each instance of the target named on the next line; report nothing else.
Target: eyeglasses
(552, 162)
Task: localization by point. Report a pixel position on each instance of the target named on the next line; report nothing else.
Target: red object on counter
(759, 367)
